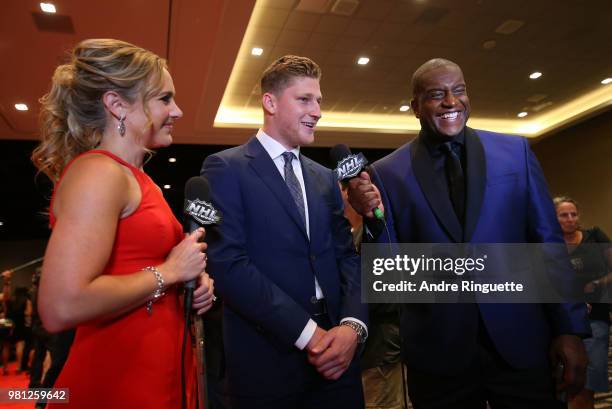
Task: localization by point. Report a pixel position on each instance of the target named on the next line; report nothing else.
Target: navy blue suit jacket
(264, 265)
(507, 201)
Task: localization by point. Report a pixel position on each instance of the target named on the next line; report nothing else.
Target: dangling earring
(121, 126)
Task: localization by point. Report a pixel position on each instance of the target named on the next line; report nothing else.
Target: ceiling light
(47, 7)
(606, 81)
(1, 223)
(171, 160)
(404, 108)
(167, 186)
(522, 114)
(535, 75)
(21, 107)
(489, 45)
(256, 51)
(363, 60)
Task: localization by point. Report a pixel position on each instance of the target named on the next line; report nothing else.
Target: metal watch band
(358, 328)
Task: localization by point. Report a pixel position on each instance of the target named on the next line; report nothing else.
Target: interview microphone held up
(349, 166)
(198, 210)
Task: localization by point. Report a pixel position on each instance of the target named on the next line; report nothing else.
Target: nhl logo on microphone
(350, 166)
(202, 211)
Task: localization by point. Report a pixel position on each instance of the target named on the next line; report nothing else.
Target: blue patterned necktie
(293, 184)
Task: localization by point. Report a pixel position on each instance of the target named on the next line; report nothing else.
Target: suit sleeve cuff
(306, 334)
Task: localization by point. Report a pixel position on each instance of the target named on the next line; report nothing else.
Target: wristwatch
(358, 328)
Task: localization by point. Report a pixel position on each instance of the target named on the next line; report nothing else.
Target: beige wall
(578, 162)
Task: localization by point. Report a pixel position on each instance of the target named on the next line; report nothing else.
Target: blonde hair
(281, 73)
(73, 117)
(564, 199)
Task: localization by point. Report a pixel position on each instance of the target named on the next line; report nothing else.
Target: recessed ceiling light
(404, 108)
(606, 81)
(21, 107)
(171, 160)
(535, 75)
(47, 7)
(522, 114)
(489, 44)
(363, 60)
(256, 51)
(167, 186)
(1, 223)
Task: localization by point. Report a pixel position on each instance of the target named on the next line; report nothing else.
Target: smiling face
(163, 111)
(440, 101)
(292, 115)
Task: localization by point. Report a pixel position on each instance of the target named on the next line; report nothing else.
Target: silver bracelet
(159, 290)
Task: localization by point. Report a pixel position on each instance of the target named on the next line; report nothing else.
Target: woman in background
(116, 252)
(591, 257)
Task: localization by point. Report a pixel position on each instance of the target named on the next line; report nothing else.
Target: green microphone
(349, 166)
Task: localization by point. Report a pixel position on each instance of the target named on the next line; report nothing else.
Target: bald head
(440, 100)
(428, 66)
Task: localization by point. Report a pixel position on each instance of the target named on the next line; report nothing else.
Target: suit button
(313, 257)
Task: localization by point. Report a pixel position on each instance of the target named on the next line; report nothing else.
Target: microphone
(197, 210)
(349, 166)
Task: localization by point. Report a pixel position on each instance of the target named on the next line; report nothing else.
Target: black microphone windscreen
(338, 152)
(197, 188)
(198, 210)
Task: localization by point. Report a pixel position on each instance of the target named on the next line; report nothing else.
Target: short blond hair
(281, 73)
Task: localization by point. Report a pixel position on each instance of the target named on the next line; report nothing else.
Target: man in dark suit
(283, 261)
(453, 184)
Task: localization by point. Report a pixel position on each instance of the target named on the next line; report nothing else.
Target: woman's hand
(203, 296)
(186, 260)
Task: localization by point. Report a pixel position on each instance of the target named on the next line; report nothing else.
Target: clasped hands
(331, 352)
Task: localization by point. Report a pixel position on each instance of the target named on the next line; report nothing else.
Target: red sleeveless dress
(134, 360)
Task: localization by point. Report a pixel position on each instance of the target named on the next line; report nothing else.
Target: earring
(121, 126)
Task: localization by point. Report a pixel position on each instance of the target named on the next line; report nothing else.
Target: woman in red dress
(116, 252)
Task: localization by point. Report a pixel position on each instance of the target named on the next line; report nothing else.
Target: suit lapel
(434, 191)
(265, 168)
(476, 181)
(313, 182)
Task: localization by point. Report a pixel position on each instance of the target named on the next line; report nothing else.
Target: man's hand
(334, 352)
(316, 338)
(363, 195)
(569, 350)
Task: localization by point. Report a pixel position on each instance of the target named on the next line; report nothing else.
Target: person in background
(6, 324)
(57, 345)
(40, 336)
(18, 309)
(591, 256)
(381, 362)
(117, 254)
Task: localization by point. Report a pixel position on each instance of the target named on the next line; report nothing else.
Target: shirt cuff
(306, 334)
(358, 322)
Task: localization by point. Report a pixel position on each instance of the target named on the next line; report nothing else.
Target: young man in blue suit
(283, 261)
(453, 184)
